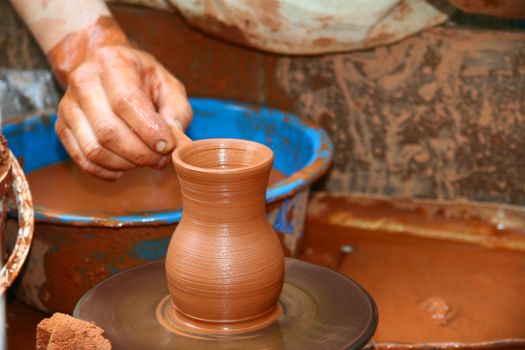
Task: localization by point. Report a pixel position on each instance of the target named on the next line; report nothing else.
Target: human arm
(120, 104)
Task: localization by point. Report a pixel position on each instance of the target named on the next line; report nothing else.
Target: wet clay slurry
(224, 263)
(427, 290)
(65, 187)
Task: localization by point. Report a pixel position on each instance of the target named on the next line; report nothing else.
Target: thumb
(178, 133)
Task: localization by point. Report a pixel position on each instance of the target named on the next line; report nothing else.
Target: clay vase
(224, 263)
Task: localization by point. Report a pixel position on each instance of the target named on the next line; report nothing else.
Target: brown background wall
(438, 115)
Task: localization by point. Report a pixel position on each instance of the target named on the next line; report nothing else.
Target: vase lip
(266, 155)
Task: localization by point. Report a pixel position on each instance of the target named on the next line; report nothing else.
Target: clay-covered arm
(120, 103)
(68, 30)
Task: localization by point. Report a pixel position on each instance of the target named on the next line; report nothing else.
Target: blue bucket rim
(316, 166)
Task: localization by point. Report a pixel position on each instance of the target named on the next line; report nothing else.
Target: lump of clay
(63, 332)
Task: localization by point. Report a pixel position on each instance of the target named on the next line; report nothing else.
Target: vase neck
(223, 181)
(225, 199)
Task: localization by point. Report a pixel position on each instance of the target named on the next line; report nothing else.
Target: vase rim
(266, 155)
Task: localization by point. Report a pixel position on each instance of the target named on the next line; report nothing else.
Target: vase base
(318, 309)
(175, 321)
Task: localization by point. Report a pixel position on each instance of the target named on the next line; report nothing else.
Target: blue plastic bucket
(87, 248)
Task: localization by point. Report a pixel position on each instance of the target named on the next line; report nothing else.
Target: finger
(180, 137)
(171, 99)
(68, 140)
(75, 120)
(111, 132)
(130, 102)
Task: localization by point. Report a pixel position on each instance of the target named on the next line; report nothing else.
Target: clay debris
(63, 332)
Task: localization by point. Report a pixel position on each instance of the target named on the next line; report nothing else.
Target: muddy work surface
(427, 290)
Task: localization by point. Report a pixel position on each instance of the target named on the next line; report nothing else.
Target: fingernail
(161, 145)
(178, 124)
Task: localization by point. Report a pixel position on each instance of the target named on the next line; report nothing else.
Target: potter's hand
(116, 112)
(120, 103)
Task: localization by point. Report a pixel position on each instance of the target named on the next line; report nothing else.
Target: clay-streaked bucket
(73, 252)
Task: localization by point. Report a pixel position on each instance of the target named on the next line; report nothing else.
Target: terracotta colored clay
(70, 51)
(427, 290)
(65, 187)
(64, 332)
(224, 262)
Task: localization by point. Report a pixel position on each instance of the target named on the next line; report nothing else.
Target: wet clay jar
(224, 263)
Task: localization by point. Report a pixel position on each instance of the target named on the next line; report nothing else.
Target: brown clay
(70, 51)
(65, 187)
(224, 262)
(64, 332)
(427, 290)
(178, 323)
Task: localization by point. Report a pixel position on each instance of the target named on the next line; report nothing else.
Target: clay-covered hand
(117, 112)
(120, 103)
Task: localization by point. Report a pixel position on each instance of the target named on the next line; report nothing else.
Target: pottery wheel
(321, 309)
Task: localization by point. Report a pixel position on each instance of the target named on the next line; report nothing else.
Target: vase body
(224, 262)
